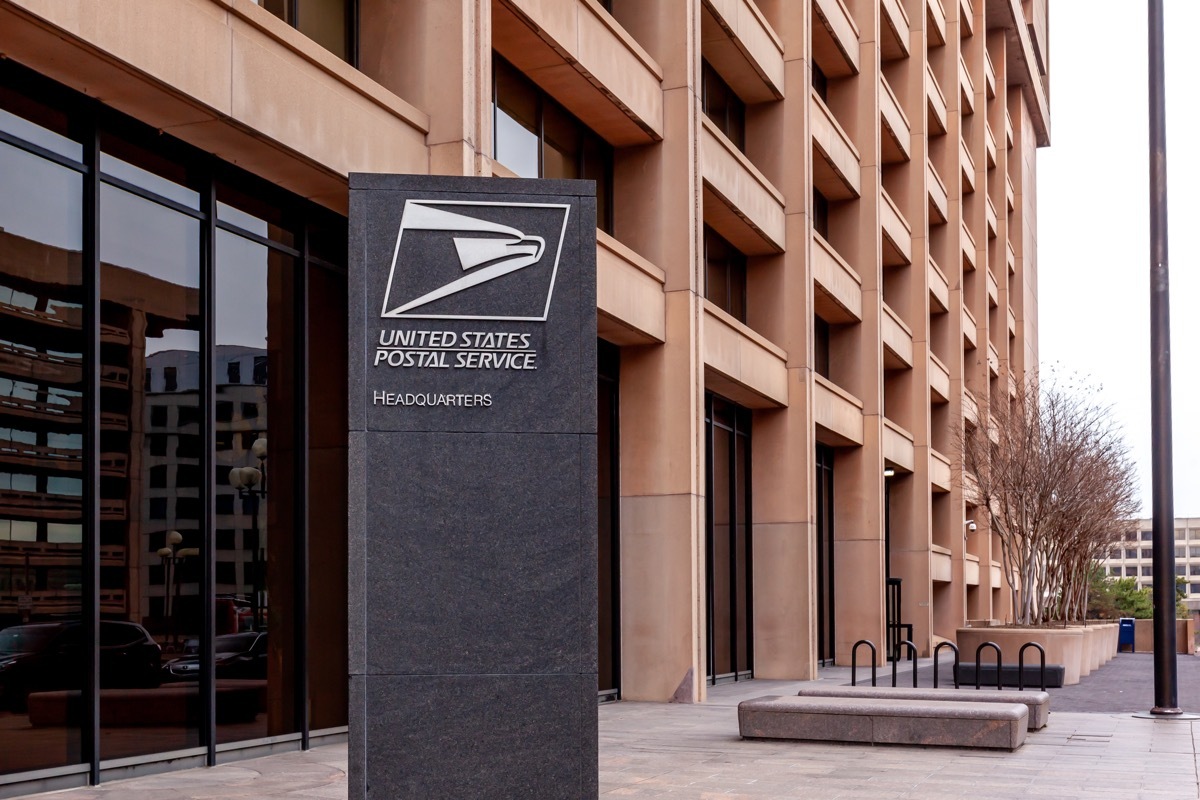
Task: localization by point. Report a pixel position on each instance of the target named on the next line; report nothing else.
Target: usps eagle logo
(475, 260)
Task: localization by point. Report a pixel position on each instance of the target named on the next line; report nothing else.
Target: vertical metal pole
(1166, 690)
(208, 461)
(90, 601)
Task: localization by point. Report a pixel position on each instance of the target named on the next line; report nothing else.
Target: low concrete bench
(1055, 674)
(945, 723)
(1038, 703)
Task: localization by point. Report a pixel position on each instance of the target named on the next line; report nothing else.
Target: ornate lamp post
(251, 484)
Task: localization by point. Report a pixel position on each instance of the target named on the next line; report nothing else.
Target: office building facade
(816, 260)
(1133, 557)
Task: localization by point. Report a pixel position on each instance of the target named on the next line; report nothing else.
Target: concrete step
(944, 723)
(1037, 702)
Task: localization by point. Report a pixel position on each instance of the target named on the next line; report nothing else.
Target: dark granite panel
(478, 737)
(557, 396)
(356, 745)
(588, 526)
(473, 553)
(356, 585)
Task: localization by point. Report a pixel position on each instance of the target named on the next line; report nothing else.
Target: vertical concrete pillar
(781, 304)
(662, 446)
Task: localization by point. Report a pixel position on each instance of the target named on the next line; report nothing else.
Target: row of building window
(1134, 553)
(1181, 535)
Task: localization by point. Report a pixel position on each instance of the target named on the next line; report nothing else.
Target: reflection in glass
(516, 121)
(254, 489)
(41, 450)
(150, 539)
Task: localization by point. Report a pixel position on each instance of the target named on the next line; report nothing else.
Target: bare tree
(1054, 478)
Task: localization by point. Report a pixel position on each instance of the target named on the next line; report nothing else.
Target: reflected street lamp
(172, 554)
(251, 484)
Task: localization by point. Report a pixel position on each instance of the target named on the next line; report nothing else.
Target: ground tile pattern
(693, 752)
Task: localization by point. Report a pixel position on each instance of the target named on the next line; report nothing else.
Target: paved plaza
(1092, 748)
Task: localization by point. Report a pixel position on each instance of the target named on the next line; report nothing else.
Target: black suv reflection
(238, 655)
(47, 656)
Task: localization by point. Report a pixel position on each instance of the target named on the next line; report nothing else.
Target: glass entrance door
(825, 615)
(729, 538)
(608, 538)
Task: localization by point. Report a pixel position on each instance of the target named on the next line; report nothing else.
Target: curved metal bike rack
(854, 662)
(912, 651)
(1021, 665)
(999, 664)
(936, 650)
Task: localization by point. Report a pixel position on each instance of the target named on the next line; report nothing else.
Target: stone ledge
(1038, 703)
(880, 721)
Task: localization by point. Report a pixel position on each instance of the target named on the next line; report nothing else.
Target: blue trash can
(1125, 634)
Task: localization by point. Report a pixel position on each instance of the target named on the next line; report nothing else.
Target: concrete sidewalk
(694, 752)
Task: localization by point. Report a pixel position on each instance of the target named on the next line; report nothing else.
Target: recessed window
(821, 347)
(820, 214)
(1131, 553)
(820, 83)
(722, 105)
(1147, 552)
(329, 23)
(724, 275)
(1148, 571)
(536, 137)
(233, 371)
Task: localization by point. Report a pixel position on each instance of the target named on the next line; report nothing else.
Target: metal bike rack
(1021, 665)
(936, 650)
(854, 662)
(999, 664)
(912, 652)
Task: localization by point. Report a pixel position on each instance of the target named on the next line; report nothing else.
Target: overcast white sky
(1093, 221)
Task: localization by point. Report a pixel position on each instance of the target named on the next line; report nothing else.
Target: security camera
(971, 526)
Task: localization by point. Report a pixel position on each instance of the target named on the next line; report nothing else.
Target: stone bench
(1037, 702)
(945, 723)
(1055, 675)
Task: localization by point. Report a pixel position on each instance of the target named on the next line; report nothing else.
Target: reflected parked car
(47, 656)
(238, 655)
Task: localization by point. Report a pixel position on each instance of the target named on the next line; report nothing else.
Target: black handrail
(1021, 665)
(854, 661)
(999, 663)
(912, 651)
(953, 647)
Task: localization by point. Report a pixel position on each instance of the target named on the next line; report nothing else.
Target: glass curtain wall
(730, 612)
(41, 431)
(158, 546)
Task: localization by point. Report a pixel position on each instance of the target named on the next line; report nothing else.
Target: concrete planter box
(1063, 646)
(1143, 636)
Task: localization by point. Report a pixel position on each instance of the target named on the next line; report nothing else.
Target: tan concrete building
(817, 255)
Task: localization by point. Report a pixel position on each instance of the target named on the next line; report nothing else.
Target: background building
(817, 260)
(1134, 557)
